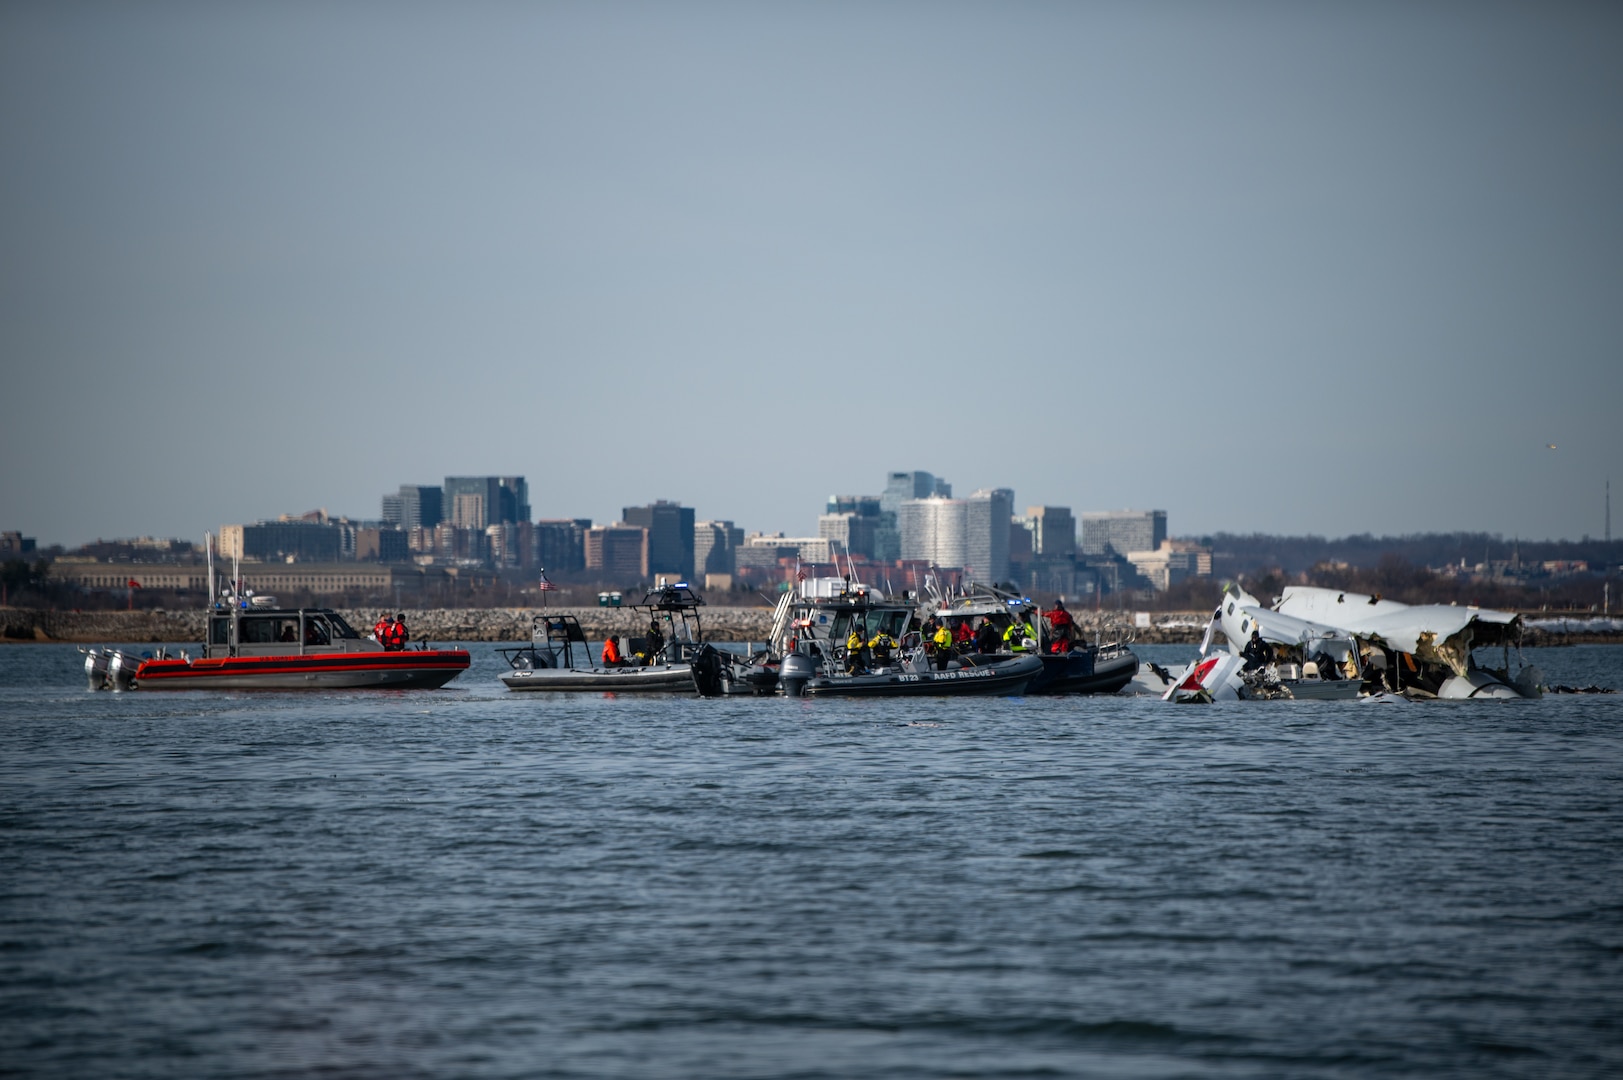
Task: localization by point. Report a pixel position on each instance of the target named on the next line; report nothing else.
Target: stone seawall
(468, 624)
(440, 625)
(513, 624)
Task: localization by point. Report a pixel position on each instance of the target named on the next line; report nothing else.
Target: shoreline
(23, 626)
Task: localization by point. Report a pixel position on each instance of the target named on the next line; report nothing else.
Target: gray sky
(1280, 267)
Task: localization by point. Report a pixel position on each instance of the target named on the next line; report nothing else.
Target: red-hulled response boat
(251, 648)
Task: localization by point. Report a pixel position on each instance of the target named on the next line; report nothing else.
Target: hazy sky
(1287, 267)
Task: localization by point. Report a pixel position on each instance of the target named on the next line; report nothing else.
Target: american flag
(546, 586)
(800, 573)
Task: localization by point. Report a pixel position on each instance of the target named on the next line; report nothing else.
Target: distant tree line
(1235, 553)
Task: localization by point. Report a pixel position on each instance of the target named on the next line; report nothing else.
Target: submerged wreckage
(1328, 644)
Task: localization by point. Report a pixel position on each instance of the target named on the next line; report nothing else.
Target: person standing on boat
(986, 637)
(943, 647)
(853, 651)
(380, 629)
(396, 636)
(880, 646)
(611, 653)
(1063, 626)
(656, 640)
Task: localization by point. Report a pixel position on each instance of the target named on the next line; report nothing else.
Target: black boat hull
(1009, 677)
(1085, 671)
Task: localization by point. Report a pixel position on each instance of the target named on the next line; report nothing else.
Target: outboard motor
(795, 672)
(96, 668)
(707, 672)
(121, 671)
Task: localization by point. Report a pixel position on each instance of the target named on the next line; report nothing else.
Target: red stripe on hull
(318, 671)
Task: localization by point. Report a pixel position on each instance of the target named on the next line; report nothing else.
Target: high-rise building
(477, 502)
(1117, 532)
(515, 498)
(618, 552)
(853, 523)
(670, 536)
(420, 506)
(987, 515)
(933, 530)
(504, 544)
(860, 505)
(849, 533)
(560, 544)
(1020, 544)
(899, 487)
(1053, 531)
(715, 547)
(415, 506)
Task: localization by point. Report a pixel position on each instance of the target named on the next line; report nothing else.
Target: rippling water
(472, 883)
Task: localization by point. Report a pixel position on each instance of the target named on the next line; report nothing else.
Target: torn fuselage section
(1423, 650)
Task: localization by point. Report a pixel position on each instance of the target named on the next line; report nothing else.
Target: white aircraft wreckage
(1326, 644)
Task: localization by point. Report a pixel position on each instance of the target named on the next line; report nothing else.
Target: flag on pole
(546, 586)
(133, 584)
(800, 572)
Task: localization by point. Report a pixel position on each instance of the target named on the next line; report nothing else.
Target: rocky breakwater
(432, 625)
(101, 627)
(514, 624)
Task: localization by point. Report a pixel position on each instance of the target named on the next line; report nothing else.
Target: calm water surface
(472, 883)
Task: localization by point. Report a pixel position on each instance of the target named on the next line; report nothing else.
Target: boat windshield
(869, 623)
(340, 627)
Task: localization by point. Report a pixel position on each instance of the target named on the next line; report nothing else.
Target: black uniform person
(1256, 652)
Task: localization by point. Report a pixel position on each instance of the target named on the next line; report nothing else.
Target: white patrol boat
(558, 657)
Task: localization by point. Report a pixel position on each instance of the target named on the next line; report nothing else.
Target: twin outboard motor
(121, 670)
(110, 669)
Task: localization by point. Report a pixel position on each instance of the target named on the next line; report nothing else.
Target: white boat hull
(658, 679)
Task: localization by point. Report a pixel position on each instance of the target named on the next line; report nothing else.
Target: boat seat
(1310, 670)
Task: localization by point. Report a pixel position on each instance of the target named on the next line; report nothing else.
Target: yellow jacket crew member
(1017, 633)
(881, 644)
(853, 652)
(943, 647)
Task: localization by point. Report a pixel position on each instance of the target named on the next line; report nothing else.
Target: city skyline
(542, 513)
(1280, 268)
